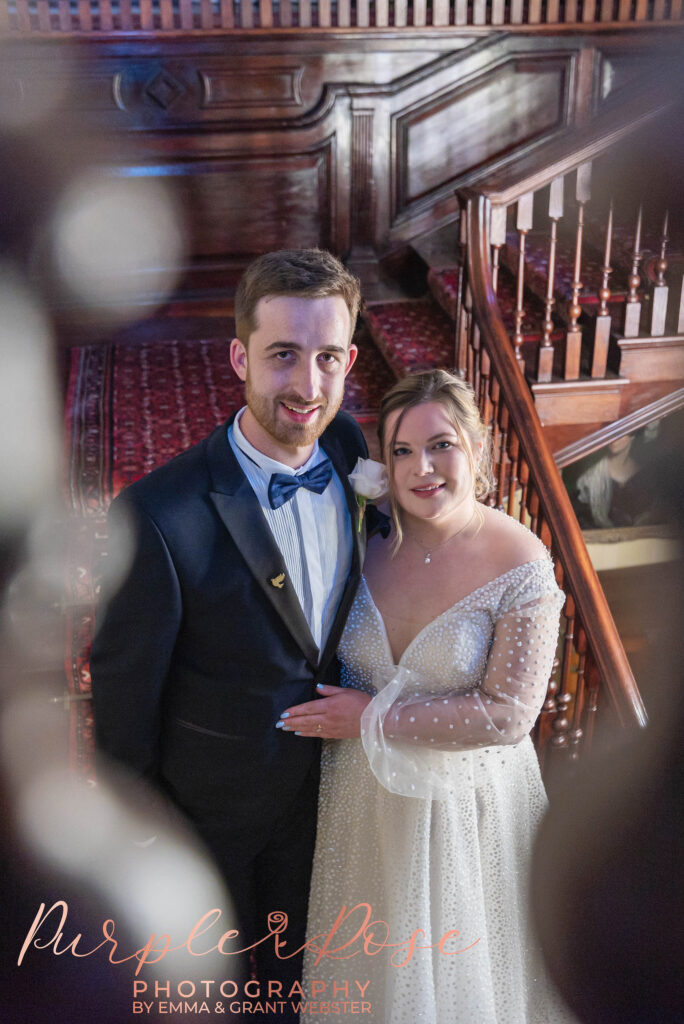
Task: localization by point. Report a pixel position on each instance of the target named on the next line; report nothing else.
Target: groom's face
(294, 366)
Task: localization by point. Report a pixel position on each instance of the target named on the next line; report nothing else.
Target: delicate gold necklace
(430, 551)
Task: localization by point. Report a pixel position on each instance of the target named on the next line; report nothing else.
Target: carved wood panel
(439, 141)
(242, 207)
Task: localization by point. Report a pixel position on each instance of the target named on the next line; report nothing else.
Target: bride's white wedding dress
(451, 724)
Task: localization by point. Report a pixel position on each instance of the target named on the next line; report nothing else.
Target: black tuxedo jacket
(198, 652)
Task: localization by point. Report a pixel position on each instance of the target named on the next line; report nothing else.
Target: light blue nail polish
(298, 734)
(319, 686)
(279, 725)
(285, 714)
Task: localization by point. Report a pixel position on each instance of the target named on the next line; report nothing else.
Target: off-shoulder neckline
(461, 600)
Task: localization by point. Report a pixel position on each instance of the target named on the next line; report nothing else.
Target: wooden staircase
(562, 333)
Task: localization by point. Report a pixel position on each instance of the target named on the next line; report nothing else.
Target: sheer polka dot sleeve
(502, 704)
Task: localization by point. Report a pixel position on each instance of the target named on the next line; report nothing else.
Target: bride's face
(432, 478)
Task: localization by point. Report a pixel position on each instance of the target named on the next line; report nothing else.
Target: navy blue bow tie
(282, 486)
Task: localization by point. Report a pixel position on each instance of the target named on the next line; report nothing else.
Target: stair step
(444, 287)
(536, 266)
(368, 381)
(412, 334)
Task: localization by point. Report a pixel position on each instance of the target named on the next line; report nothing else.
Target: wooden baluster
(419, 13)
(479, 12)
(460, 12)
(106, 17)
(517, 8)
(495, 432)
(362, 13)
(43, 12)
(533, 509)
(566, 657)
(606, 10)
(440, 12)
(24, 16)
(659, 10)
(265, 13)
(483, 394)
(126, 15)
(186, 17)
(534, 12)
(325, 19)
(563, 698)
(561, 723)
(545, 354)
(246, 15)
(571, 12)
(660, 289)
(592, 685)
(576, 731)
(473, 355)
(64, 12)
(675, 10)
(602, 327)
(147, 17)
(545, 534)
(641, 12)
(625, 10)
(573, 341)
(633, 303)
(512, 473)
(165, 14)
(382, 13)
(497, 235)
(524, 479)
(498, 12)
(589, 11)
(284, 13)
(462, 300)
(552, 12)
(503, 449)
(462, 335)
(524, 224)
(400, 13)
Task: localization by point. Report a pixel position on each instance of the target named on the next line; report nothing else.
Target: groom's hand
(336, 715)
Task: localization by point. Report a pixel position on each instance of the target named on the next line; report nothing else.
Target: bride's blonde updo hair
(458, 400)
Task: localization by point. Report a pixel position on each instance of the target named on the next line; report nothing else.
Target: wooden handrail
(576, 146)
(618, 428)
(584, 585)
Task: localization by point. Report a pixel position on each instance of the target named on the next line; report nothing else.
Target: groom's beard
(270, 415)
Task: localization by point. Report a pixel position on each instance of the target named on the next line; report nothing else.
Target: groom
(247, 556)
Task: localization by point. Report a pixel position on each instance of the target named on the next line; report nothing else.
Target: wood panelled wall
(354, 144)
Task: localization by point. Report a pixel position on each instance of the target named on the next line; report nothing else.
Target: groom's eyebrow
(295, 346)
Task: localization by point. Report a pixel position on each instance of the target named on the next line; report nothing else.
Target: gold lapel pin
(278, 581)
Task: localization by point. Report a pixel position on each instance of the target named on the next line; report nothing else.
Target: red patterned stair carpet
(444, 286)
(129, 409)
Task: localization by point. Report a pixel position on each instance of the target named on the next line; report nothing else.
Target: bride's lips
(427, 491)
(299, 413)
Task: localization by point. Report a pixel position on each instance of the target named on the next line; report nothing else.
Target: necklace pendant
(427, 558)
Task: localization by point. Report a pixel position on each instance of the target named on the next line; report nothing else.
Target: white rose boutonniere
(370, 482)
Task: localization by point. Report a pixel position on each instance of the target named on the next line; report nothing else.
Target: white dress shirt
(313, 531)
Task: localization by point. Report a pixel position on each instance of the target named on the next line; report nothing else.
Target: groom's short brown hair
(302, 273)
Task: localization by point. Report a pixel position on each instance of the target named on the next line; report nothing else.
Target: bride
(430, 791)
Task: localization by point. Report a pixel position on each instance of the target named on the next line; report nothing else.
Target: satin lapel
(336, 455)
(240, 512)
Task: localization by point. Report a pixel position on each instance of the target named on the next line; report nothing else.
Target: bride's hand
(336, 715)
